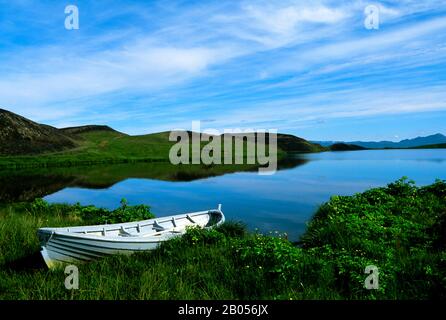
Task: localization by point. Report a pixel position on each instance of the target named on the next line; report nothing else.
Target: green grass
(400, 228)
(103, 147)
(98, 147)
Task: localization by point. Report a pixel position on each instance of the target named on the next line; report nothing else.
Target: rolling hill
(19, 136)
(289, 143)
(88, 128)
(25, 143)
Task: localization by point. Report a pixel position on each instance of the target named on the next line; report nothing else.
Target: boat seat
(190, 219)
(124, 233)
(158, 227)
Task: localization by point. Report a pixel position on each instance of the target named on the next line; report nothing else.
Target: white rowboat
(86, 243)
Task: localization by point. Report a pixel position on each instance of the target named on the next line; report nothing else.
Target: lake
(282, 202)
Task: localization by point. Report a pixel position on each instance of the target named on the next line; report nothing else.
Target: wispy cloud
(143, 67)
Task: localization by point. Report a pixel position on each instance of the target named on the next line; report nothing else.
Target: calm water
(285, 201)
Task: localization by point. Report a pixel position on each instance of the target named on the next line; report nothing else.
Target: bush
(400, 229)
(126, 213)
(276, 256)
(233, 229)
(197, 235)
(92, 214)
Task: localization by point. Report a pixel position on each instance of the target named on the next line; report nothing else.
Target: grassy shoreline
(400, 228)
(16, 163)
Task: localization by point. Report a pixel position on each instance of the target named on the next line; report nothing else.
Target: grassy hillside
(112, 144)
(19, 135)
(25, 144)
(88, 128)
(100, 147)
(290, 143)
(97, 147)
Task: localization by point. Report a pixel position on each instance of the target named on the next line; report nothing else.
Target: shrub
(400, 229)
(233, 229)
(276, 256)
(92, 214)
(125, 213)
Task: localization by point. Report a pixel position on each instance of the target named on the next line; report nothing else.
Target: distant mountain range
(435, 139)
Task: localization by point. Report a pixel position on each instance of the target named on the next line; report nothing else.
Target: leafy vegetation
(94, 215)
(399, 228)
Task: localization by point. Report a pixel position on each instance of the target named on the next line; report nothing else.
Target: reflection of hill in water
(30, 184)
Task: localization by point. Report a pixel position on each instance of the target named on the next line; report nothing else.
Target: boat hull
(62, 249)
(83, 244)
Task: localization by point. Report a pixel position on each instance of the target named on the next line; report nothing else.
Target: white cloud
(226, 44)
(276, 24)
(283, 20)
(135, 67)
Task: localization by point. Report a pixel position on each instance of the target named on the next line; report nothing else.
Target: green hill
(290, 143)
(88, 128)
(22, 139)
(19, 136)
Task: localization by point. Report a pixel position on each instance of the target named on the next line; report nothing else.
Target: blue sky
(309, 68)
